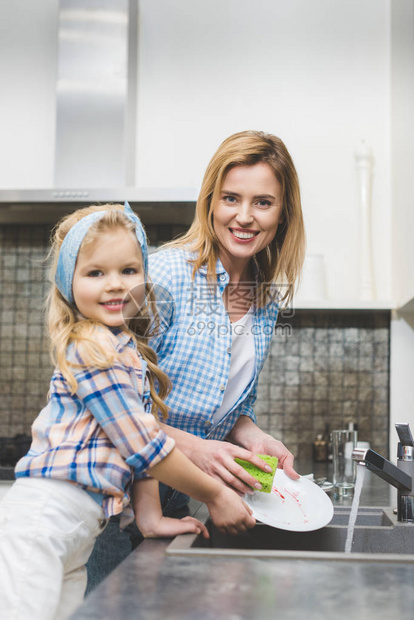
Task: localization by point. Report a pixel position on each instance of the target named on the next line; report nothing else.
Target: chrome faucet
(400, 476)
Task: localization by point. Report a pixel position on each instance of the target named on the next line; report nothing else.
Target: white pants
(47, 532)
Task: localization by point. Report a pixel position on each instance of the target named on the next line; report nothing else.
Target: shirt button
(222, 388)
(208, 424)
(222, 277)
(229, 350)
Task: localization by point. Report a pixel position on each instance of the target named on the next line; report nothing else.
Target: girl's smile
(108, 283)
(247, 214)
(114, 305)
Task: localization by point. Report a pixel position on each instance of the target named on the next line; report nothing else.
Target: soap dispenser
(320, 449)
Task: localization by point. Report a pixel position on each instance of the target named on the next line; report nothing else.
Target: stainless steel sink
(378, 536)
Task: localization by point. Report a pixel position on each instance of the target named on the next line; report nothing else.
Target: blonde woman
(225, 280)
(99, 429)
(219, 289)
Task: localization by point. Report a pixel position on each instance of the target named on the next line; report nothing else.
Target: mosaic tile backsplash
(327, 368)
(323, 368)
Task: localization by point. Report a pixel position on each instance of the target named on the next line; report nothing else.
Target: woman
(218, 289)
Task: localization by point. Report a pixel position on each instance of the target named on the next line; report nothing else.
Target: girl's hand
(149, 518)
(229, 513)
(167, 527)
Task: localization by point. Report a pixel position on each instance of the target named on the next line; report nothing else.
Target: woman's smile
(242, 235)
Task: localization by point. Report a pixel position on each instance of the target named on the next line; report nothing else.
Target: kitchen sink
(378, 536)
(368, 517)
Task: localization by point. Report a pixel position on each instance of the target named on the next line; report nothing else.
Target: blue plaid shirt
(194, 345)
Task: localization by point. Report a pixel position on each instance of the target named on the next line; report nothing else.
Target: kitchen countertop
(150, 585)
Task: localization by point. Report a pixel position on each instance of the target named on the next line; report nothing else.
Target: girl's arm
(112, 399)
(149, 518)
(228, 511)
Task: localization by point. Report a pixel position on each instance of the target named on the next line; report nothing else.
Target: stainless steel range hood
(96, 103)
(154, 205)
(95, 94)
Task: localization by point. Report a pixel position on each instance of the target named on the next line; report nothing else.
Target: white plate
(297, 505)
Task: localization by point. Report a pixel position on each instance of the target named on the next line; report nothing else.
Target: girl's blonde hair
(281, 261)
(66, 326)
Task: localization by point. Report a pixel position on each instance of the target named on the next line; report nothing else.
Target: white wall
(402, 149)
(401, 374)
(316, 73)
(28, 53)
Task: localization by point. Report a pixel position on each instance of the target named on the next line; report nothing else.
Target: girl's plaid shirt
(102, 436)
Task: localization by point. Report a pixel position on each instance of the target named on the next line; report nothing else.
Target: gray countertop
(151, 585)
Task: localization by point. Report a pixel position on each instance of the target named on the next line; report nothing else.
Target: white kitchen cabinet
(28, 57)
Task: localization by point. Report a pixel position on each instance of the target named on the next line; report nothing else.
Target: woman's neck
(239, 294)
(239, 271)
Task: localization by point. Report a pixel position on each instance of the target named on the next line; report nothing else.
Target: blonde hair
(281, 261)
(66, 327)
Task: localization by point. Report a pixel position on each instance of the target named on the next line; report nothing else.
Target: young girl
(97, 433)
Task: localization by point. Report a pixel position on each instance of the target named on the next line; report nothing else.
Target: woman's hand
(246, 433)
(270, 445)
(216, 458)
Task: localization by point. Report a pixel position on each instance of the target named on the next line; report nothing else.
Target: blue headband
(72, 242)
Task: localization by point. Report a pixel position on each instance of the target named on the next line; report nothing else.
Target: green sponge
(265, 479)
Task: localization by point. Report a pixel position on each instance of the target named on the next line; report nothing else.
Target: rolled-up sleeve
(110, 396)
(246, 407)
